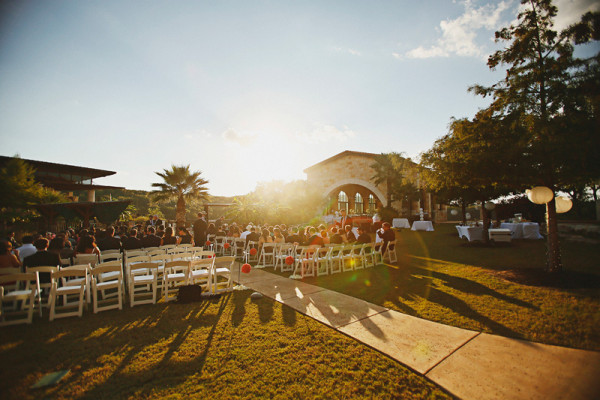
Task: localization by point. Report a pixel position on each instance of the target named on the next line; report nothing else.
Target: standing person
(200, 229)
(386, 234)
(345, 220)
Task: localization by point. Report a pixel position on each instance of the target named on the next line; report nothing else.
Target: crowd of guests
(49, 249)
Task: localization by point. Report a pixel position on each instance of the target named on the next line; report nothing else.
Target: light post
(545, 195)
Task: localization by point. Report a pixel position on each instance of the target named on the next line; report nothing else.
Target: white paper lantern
(563, 204)
(540, 194)
(490, 206)
(468, 215)
(454, 212)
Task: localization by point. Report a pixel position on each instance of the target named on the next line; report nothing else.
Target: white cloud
(327, 133)
(243, 140)
(570, 11)
(459, 34)
(348, 51)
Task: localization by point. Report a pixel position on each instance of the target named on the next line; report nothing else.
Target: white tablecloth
(422, 226)
(523, 230)
(470, 232)
(400, 223)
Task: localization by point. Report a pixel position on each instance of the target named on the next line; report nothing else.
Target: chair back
(91, 259)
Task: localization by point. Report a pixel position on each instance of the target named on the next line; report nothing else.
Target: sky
(243, 91)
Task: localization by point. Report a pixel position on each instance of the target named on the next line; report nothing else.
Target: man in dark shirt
(335, 237)
(42, 258)
(363, 237)
(109, 242)
(252, 236)
(350, 238)
(387, 234)
(132, 242)
(150, 240)
(200, 227)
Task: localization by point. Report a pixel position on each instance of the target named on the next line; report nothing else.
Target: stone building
(346, 179)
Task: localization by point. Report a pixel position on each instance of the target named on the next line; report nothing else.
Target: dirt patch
(541, 278)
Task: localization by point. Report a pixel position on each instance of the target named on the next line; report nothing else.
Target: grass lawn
(230, 347)
(497, 289)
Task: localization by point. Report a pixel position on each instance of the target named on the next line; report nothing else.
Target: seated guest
(109, 242)
(265, 237)
(252, 236)
(349, 235)
(278, 236)
(168, 238)
(160, 231)
(314, 239)
(150, 240)
(211, 230)
(27, 248)
(325, 237)
(335, 237)
(87, 245)
(132, 242)
(8, 257)
(387, 234)
(246, 232)
(363, 237)
(58, 246)
(284, 230)
(184, 236)
(42, 258)
(221, 231)
(294, 237)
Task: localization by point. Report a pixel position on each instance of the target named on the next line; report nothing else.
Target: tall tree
(549, 89)
(400, 176)
(181, 184)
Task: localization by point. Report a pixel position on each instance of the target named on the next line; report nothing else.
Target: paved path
(469, 364)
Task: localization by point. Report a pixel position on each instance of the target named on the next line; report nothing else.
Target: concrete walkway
(469, 364)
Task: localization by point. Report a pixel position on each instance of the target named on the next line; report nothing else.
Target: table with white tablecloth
(523, 230)
(470, 232)
(422, 226)
(400, 223)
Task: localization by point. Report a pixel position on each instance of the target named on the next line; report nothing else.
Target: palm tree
(182, 184)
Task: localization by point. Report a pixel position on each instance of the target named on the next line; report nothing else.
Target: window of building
(358, 204)
(372, 204)
(342, 201)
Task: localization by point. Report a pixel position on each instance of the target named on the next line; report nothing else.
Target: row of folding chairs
(305, 261)
(71, 288)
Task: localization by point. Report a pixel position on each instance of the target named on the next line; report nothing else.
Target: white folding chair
(358, 261)
(200, 272)
(284, 250)
(222, 268)
(390, 252)
(76, 280)
(267, 255)
(239, 245)
(251, 255)
(44, 292)
(111, 255)
(368, 255)
(156, 252)
(91, 259)
(176, 274)
(305, 262)
(229, 246)
(166, 247)
(322, 260)
(335, 259)
(67, 292)
(106, 277)
(143, 283)
(377, 255)
(15, 288)
(347, 258)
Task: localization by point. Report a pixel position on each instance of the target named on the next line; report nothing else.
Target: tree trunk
(180, 211)
(554, 263)
(486, 222)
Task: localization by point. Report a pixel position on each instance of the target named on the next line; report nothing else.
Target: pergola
(64, 177)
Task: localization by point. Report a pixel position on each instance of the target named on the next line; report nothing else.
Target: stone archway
(358, 182)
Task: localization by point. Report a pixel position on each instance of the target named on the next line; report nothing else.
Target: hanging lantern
(563, 204)
(540, 194)
(454, 212)
(246, 268)
(489, 206)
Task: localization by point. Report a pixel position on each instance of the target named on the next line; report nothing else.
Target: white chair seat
(200, 273)
(141, 279)
(110, 275)
(17, 293)
(176, 276)
(107, 285)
